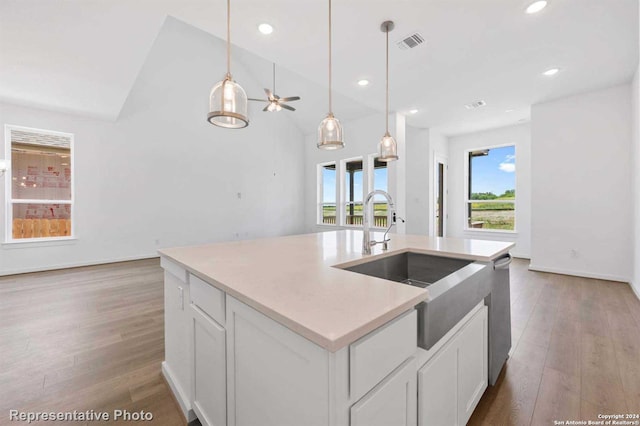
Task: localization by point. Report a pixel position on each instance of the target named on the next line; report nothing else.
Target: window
(491, 194)
(327, 199)
(40, 197)
(341, 191)
(353, 174)
(380, 181)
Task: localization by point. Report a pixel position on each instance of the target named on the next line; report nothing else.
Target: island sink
(420, 270)
(454, 285)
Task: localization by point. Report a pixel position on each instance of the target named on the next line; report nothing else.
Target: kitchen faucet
(367, 243)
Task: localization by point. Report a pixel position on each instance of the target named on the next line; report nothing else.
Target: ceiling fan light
(228, 105)
(388, 148)
(330, 135)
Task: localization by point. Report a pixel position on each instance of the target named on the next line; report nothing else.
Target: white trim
(179, 394)
(439, 159)
(77, 264)
(320, 193)
(343, 190)
(465, 224)
(480, 231)
(38, 242)
(562, 271)
(633, 289)
(35, 201)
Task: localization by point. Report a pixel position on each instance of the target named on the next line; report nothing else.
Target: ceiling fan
(275, 102)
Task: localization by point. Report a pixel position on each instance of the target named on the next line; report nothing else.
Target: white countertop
(292, 279)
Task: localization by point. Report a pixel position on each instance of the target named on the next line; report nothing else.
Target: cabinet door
(392, 402)
(209, 370)
(472, 364)
(451, 383)
(437, 384)
(177, 365)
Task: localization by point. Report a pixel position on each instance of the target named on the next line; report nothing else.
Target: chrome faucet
(367, 243)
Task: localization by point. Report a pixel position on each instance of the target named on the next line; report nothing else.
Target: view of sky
(494, 172)
(329, 184)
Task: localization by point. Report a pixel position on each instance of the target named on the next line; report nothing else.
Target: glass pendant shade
(388, 148)
(330, 133)
(228, 105)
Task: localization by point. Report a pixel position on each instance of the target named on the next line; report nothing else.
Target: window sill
(491, 232)
(39, 242)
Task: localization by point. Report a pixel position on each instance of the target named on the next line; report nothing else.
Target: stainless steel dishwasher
(499, 303)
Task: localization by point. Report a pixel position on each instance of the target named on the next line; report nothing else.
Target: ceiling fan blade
(290, 99)
(258, 100)
(285, 106)
(269, 93)
(266, 108)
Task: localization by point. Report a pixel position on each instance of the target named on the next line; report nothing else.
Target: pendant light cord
(229, 38)
(330, 103)
(387, 86)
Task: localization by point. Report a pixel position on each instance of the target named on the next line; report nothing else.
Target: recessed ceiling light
(265, 29)
(509, 110)
(413, 111)
(363, 82)
(551, 71)
(536, 6)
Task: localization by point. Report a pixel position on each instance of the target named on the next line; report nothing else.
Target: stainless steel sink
(454, 287)
(420, 270)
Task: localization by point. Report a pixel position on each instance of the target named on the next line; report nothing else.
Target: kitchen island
(276, 331)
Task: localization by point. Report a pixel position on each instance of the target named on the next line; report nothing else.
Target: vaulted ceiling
(83, 56)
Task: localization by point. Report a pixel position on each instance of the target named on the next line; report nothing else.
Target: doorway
(440, 197)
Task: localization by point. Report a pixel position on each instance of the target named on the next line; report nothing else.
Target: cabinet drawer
(377, 354)
(208, 298)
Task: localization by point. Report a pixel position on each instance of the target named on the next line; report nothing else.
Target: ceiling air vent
(476, 104)
(411, 41)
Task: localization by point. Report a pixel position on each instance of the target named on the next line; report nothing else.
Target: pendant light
(228, 100)
(330, 129)
(388, 147)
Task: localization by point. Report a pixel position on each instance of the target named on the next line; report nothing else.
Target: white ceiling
(83, 56)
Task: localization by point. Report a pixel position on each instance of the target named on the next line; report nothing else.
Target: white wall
(520, 136)
(418, 171)
(361, 140)
(581, 197)
(162, 173)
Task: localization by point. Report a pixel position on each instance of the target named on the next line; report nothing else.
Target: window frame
(320, 194)
(10, 201)
(343, 191)
(467, 188)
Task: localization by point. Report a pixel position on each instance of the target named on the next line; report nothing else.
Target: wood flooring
(92, 339)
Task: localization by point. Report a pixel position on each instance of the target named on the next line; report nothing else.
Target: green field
(494, 219)
(494, 215)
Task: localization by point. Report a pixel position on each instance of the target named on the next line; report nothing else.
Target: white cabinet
(209, 369)
(177, 364)
(473, 364)
(452, 382)
(392, 402)
(437, 389)
(275, 376)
